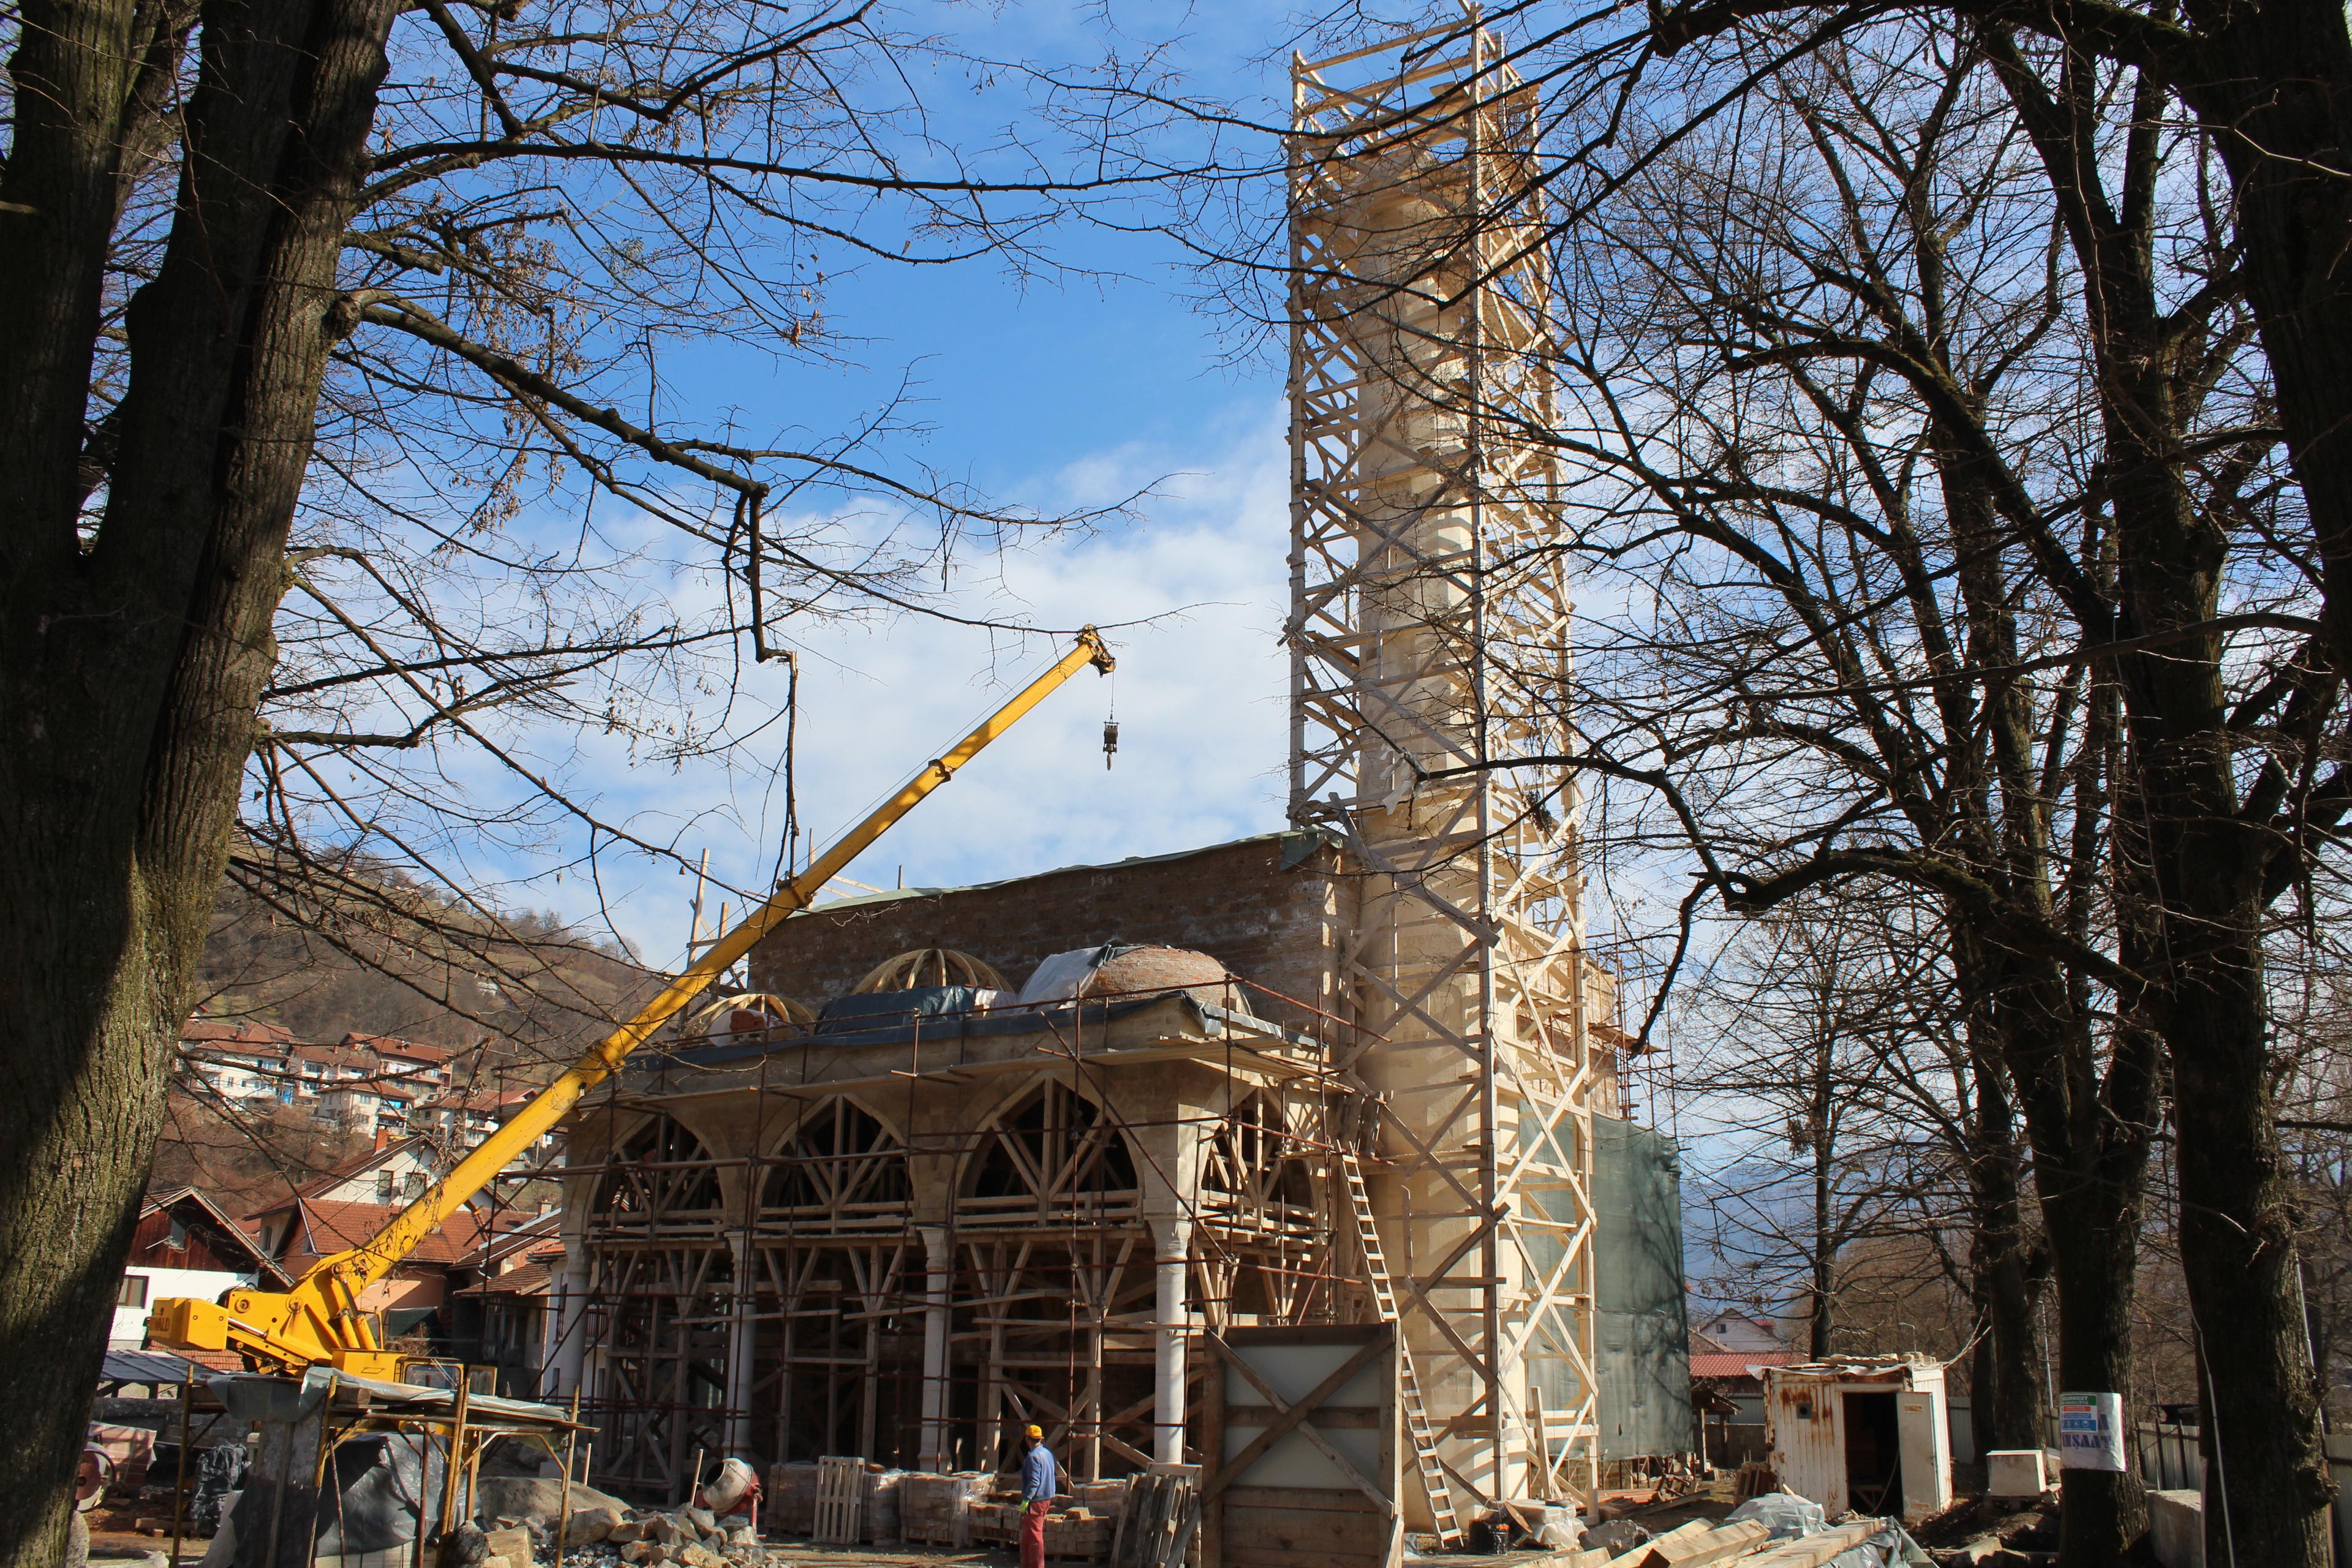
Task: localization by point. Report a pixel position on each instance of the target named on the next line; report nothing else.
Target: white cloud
(1198, 694)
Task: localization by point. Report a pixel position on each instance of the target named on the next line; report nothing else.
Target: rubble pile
(691, 1537)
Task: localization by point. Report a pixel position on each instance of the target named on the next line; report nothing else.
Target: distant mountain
(330, 951)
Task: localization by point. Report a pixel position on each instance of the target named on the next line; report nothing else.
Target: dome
(1119, 969)
(931, 966)
(749, 1014)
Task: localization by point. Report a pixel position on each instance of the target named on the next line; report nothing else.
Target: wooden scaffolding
(1430, 657)
(913, 1270)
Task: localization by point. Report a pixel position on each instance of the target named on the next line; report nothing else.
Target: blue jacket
(1037, 1474)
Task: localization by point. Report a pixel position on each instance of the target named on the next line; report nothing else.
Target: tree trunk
(2090, 1135)
(2238, 1254)
(1824, 1286)
(131, 666)
(2095, 1255)
(2279, 96)
(2008, 1273)
(2274, 86)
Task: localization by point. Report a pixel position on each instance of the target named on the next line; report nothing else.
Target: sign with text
(2091, 1431)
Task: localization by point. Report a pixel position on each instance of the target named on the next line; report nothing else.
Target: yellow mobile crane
(318, 1322)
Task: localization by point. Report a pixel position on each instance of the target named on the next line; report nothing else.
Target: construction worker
(1040, 1479)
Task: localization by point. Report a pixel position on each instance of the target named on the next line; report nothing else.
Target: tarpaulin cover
(1890, 1547)
(1785, 1514)
(1643, 1326)
(142, 1366)
(894, 1009)
(383, 1480)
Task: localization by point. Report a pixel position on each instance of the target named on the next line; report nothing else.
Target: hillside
(366, 950)
(330, 951)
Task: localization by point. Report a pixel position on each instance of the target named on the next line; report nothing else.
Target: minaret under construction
(1429, 640)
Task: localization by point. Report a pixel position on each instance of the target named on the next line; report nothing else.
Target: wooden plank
(1723, 1543)
(1813, 1551)
(1637, 1556)
(1308, 1335)
(1320, 1500)
(1330, 1417)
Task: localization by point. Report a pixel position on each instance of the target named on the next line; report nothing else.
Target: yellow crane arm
(319, 1321)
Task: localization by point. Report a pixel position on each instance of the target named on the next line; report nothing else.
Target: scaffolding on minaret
(1429, 665)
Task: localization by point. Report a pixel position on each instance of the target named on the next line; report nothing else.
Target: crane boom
(318, 1320)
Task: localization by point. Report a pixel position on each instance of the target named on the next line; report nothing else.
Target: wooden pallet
(1155, 1527)
(840, 1500)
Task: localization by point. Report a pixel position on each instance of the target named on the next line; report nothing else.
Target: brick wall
(1271, 922)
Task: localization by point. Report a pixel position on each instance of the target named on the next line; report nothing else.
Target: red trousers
(1032, 1535)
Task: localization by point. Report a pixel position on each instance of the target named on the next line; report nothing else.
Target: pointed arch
(1262, 1195)
(1053, 1155)
(840, 1169)
(1258, 1168)
(659, 1175)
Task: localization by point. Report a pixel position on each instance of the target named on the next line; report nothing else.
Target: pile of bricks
(937, 1509)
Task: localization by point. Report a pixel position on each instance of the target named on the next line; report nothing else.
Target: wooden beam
(1698, 1545)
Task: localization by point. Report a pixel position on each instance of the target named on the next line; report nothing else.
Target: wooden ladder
(1442, 1513)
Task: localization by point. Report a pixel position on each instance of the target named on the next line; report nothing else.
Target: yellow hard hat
(1038, 1433)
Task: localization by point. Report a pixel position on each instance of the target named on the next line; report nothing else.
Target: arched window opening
(1257, 1171)
(661, 1172)
(1055, 1153)
(841, 1165)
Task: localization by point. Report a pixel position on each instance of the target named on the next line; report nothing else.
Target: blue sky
(1048, 393)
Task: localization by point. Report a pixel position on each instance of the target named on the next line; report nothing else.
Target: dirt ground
(112, 1528)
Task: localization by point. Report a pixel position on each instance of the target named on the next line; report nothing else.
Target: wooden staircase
(1442, 1514)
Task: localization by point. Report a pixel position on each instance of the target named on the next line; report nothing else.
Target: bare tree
(2271, 83)
(1800, 1083)
(1845, 443)
(2203, 561)
(1861, 1147)
(342, 463)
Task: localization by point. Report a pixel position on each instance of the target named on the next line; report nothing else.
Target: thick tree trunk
(2280, 99)
(2090, 1135)
(2009, 1411)
(2274, 86)
(2095, 1253)
(2238, 1254)
(130, 668)
(2008, 1269)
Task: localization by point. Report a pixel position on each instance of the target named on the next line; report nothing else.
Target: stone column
(742, 1351)
(567, 1358)
(939, 1265)
(1171, 1248)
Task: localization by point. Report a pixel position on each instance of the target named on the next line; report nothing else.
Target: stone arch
(660, 1278)
(1258, 1163)
(839, 1165)
(1261, 1191)
(1053, 1153)
(658, 1175)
